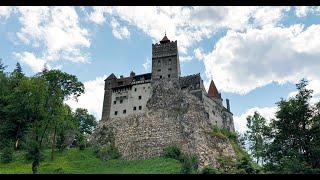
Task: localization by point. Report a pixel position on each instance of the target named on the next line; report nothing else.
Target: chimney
(132, 74)
(228, 104)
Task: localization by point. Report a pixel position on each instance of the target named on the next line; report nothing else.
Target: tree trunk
(35, 166)
(17, 144)
(53, 143)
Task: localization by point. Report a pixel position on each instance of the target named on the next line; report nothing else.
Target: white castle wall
(132, 100)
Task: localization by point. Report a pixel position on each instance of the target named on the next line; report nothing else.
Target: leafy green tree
(61, 86)
(292, 134)
(85, 123)
(256, 135)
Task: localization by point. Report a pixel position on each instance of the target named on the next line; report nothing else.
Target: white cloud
(189, 25)
(118, 31)
(147, 65)
(54, 32)
(5, 12)
(92, 99)
(241, 121)
(185, 58)
(28, 58)
(302, 11)
(57, 28)
(241, 62)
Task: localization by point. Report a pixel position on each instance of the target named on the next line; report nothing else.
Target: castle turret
(165, 59)
(109, 83)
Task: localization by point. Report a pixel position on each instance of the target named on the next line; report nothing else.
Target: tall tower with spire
(165, 59)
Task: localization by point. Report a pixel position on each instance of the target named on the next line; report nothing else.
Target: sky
(255, 55)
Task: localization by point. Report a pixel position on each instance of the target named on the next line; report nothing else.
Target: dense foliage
(289, 143)
(33, 115)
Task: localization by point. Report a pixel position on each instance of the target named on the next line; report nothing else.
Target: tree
(256, 136)
(61, 86)
(86, 123)
(292, 133)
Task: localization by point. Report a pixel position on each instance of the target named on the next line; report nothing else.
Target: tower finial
(165, 33)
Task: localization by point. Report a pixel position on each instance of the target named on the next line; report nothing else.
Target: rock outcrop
(173, 117)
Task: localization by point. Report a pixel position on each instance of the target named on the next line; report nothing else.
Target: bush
(58, 171)
(172, 152)
(209, 170)
(108, 152)
(189, 163)
(7, 155)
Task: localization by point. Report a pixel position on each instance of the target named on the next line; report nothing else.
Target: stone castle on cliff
(126, 96)
(143, 114)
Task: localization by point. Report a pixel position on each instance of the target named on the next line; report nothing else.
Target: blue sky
(255, 55)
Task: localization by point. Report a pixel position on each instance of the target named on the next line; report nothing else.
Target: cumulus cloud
(92, 99)
(241, 121)
(185, 58)
(55, 28)
(120, 32)
(189, 25)
(147, 65)
(5, 12)
(31, 60)
(302, 11)
(243, 61)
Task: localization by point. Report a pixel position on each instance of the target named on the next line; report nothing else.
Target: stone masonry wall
(173, 117)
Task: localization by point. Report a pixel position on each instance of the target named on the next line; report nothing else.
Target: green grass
(75, 161)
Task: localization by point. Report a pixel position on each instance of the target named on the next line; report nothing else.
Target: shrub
(6, 155)
(209, 170)
(172, 152)
(58, 171)
(108, 152)
(189, 163)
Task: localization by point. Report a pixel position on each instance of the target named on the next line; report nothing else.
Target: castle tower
(109, 83)
(165, 59)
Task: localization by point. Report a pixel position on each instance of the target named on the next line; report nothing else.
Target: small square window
(169, 69)
(139, 97)
(160, 77)
(135, 89)
(114, 102)
(159, 70)
(140, 107)
(168, 75)
(124, 111)
(121, 101)
(134, 108)
(116, 113)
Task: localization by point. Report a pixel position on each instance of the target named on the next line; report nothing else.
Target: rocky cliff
(173, 117)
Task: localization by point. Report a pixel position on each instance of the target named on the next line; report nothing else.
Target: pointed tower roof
(213, 91)
(112, 76)
(165, 39)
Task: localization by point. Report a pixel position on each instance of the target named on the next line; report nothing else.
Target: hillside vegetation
(75, 161)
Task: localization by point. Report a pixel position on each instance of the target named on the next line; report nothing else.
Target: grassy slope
(76, 161)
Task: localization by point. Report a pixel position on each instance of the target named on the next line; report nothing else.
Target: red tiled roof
(213, 92)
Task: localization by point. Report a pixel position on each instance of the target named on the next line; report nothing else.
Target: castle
(127, 96)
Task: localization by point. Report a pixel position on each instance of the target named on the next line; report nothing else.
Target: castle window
(116, 113)
(134, 108)
(159, 70)
(160, 77)
(159, 62)
(140, 107)
(169, 61)
(169, 69)
(124, 111)
(114, 102)
(139, 97)
(135, 89)
(121, 101)
(168, 75)
(216, 122)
